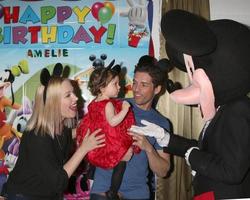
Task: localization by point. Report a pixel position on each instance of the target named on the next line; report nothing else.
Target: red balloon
(95, 9)
(1, 11)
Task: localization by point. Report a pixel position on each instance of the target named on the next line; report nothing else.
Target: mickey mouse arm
(179, 145)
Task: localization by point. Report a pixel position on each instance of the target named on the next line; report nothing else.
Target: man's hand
(141, 141)
(152, 130)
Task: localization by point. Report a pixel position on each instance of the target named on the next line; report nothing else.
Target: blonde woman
(44, 166)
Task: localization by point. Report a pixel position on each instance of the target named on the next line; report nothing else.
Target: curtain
(186, 121)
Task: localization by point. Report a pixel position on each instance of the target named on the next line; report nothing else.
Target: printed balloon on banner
(95, 9)
(104, 15)
(108, 4)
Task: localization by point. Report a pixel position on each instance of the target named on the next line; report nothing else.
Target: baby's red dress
(116, 138)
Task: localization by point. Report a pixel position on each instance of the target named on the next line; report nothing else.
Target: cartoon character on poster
(9, 136)
(137, 15)
(7, 77)
(18, 119)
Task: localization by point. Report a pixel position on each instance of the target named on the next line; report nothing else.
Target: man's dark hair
(153, 71)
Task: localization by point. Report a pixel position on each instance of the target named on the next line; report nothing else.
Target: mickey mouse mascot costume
(216, 56)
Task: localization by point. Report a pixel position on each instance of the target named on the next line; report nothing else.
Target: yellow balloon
(109, 5)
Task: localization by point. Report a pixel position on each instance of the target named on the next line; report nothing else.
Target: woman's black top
(39, 172)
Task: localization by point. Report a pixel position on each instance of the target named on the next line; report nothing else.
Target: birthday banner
(81, 34)
(79, 24)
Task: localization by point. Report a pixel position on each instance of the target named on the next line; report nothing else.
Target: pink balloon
(95, 9)
(1, 11)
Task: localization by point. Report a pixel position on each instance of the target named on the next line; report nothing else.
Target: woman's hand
(92, 141)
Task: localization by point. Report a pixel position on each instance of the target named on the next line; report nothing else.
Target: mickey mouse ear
(44, 77)
(165, 65)
(110, 64)
(116, 68)
(57, 71)
(66, 71)
(188, 33)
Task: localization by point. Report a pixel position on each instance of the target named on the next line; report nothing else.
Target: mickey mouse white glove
(152, 130)
(164, 141)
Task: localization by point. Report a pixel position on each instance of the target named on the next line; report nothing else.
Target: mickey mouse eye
(191, 70)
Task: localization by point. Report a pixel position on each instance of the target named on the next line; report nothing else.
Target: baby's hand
(125, 105)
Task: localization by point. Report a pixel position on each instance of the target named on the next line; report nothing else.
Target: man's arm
(159, 161)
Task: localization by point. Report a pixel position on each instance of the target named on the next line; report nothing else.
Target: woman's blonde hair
(46, 117)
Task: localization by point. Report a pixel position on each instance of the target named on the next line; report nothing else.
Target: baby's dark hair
(100, 78)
